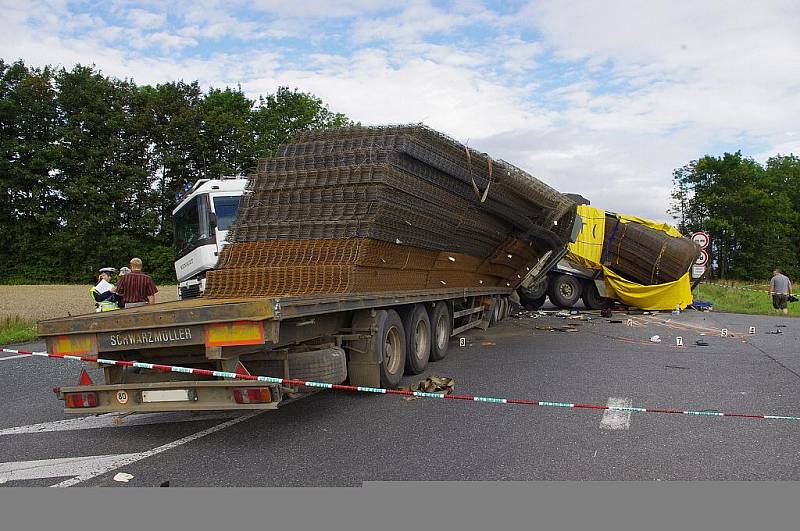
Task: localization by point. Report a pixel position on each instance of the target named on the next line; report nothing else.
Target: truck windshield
(192, 227)
(225, 208)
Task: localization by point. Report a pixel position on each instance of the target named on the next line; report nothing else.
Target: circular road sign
(702, 259)
(701, 239)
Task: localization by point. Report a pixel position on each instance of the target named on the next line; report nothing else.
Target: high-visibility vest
(104, 306)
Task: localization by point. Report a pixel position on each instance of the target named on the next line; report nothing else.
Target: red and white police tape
(339, 387)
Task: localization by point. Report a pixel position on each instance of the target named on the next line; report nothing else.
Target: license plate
(168, 395)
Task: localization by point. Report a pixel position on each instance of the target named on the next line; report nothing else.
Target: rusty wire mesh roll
(440, 151)
(645, 255)
(386, 209)
(415, 179)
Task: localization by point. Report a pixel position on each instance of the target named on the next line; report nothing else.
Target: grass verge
(729, 299)
(17, 330)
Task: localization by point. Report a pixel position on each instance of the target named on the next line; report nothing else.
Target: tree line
(751, 211)
(92, 165)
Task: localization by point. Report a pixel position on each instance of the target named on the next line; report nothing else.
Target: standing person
(102, 294)
(136, 288)
(780, 287)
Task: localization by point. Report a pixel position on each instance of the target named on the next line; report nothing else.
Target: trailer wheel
(381, 359)
(441, 325)
(417, 325)
(565, 290)
(504, 307)
(392, 342)
(592, 299)
(494, 311)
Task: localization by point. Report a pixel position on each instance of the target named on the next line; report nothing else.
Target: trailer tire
(504, 307)
(494, 311)
(385, 350)
(327, 365)
(565, 290)
(442, 327)
(391, 339)
(417, 325)
(592, 299)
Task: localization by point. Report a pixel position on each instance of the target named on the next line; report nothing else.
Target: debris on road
(123, 477)
(655, 339)
(432, 384)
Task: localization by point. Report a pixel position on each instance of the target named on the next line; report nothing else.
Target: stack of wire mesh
(646, 255)
(363, 209)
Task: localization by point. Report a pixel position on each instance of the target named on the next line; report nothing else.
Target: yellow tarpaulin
(656, 297)
(587, 251)
(588, 247)
(663, 227)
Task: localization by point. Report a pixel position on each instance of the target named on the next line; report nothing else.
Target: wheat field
(55, 300)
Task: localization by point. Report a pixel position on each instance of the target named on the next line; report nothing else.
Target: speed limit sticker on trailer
(122, 397)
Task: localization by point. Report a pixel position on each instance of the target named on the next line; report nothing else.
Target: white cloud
(600, 99)
(146, 20)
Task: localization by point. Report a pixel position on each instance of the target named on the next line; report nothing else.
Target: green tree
(281, 115)
(92, 166)
(30, 205)
(746, 209)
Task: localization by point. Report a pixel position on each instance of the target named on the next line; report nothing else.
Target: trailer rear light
(252, 395)
(79, 400)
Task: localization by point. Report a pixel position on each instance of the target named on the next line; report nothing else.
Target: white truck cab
(202, 220)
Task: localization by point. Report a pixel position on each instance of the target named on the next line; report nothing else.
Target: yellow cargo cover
(656, 297)
(587, 251)
(588, 247)
(663, 227)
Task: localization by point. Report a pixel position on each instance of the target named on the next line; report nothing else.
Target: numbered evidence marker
(752, 330)
(462, 341)
(724, 332)
(679, 341)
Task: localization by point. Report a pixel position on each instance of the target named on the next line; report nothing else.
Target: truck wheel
(592, 299)
(441, 325)
(391, 339)
(531, 304)
(529, 300)
(565, 290)
(494, 311)
(417, 325)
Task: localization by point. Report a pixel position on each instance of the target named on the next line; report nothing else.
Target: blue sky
(601, 98)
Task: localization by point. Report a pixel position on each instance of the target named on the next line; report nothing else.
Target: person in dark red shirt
(136, 288)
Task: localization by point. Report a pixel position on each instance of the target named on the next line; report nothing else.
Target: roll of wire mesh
(363, 209)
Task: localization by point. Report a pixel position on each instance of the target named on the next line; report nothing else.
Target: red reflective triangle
(240, 369)
(85, 378)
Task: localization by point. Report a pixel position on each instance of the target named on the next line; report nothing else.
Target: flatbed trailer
(370, 339)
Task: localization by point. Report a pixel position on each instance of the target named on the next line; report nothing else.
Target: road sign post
(703, 240)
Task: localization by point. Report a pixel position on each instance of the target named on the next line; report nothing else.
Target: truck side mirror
(212, 220)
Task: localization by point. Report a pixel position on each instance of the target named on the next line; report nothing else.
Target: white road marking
(80, 469)
(15, 357)
(107, 421)
(616, 420)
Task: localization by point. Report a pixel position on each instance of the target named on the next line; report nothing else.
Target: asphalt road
(342, 439)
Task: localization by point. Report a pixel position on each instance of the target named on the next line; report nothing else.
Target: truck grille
(190, 292)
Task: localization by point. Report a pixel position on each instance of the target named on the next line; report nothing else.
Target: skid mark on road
(616, 420)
